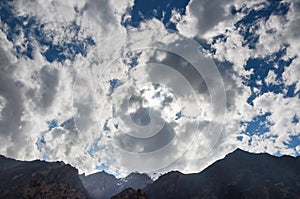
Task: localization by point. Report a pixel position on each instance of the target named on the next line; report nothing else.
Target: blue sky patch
(45, 157)
(295, 119)
(105, 126)
(102, 166)
(239, 138)
(248, 25)
(67, 122)
(116, 125)
(94, 148)
(16, 24)
(219, 38)
(114, 83)
(258, 125)
(161, 10)
(261, 67)
(52, 124)
(178, 115)
(42, 140)
(33, 30)
(293, 142)
(134, 60)
(66, 50)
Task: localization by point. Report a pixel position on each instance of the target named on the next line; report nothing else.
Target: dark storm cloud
(183, 67)
(167, 101)
(232, 89)
(134, 99)
(161, 139)
(190, 73)
(141, 116)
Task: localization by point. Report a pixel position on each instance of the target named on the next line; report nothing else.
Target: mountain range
(39, 179)
(239, 175)
(102, 185)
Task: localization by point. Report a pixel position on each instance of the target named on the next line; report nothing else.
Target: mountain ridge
(39, 179)
(102, 185)
(240, 174)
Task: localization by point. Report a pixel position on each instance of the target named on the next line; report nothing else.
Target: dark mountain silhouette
(39, 179)
(7, 163)
(102, 185)
(130, 193)
(239, 175)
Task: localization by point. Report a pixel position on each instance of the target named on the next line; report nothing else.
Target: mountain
(239, 175)
(102, 185)
(7, 163)
(39, 179)
(130, 193)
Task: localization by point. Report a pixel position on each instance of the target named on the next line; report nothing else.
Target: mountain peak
(239, 151)
(36, 179)
(137, 174)
(103, 185)
(240, 174)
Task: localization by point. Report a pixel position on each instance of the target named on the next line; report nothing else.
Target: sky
(148, 86)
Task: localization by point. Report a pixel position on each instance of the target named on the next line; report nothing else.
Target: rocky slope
(239, 175)
(102, 185)
(39, 179)
(130, 193)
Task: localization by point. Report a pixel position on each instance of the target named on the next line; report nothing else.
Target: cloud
(10, 92)
(231, 56)
(35, 92)
(66, 108)
(204, 17)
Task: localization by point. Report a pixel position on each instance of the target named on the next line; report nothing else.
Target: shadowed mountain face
(102, 185)
(7, 163)
(38, 179)
(130, 193)
(239, 175)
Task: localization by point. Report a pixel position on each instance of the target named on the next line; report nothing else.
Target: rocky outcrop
(39, 179)
(102, 185)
